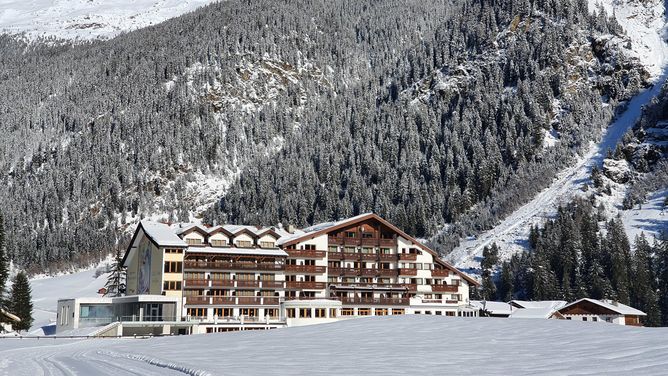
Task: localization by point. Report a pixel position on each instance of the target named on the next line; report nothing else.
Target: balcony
(388, 272)
(410, 272)
(370, 272)
(444, 288)
(369, 256)
(370, 242)
(362, 286)
(388, 242)
(196, 283)
(440, 273)
(305, 253)
(375, 301)
(410, 286)
(354, 242)
(387, 256)
(305, 269)
(248, 283)
(219, 265)
(332, 240)
(408, 256)
(250, 300)
(335, 255)
(222, 283)
(223, 300)
(272, 284)
(305, 285)
(197, 299)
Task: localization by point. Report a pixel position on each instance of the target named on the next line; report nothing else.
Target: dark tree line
(580, 253)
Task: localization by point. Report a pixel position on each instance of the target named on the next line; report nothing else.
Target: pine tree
(115, 285)
(643, 287)
(20, 302)
(4, 268)
(505, 289)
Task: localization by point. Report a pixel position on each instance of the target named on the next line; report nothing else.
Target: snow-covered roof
(542, 309)
(319, 227)
(620, 308)
(240, 251)
(538, 303)
(162, 234)
(495, 308)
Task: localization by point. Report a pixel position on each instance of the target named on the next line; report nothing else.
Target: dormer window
(244, 244)
(194, 241)
(219, 243)
(267, 244)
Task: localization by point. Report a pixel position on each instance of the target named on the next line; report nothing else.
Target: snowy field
(408, 345)
(88, 19)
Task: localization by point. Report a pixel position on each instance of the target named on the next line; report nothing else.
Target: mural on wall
(144, 280)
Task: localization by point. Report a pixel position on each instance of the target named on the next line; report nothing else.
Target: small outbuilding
(594, 310)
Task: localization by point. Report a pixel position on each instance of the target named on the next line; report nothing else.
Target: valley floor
(423, 345)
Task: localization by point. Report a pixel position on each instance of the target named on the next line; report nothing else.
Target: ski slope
(47, 291)
(87, 19)
(512, 233)
(391, 345)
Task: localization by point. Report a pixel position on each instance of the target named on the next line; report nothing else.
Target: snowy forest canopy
(418, 111)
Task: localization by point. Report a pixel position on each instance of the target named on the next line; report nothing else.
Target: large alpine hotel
(221, 278)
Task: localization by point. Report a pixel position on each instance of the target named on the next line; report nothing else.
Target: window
(290, 313)
(607, 319)
(381, 312)
(368, 250)
(268, 277)
(305, 312)
(347, 312)
(439, 313)
(333, 248)
(385, 251)
(248, 312)
(349, 250)
(271, 312)
(194, 241)
(244, 243)
(332, 312)
(367, 235)
(245, 277)
(418, 312)
(320, 313)
(332, 279)
(173, 267)
(220, 276)
(267, 244)
(219, 243)
(568, 318)
(452, 313)
(197, 312)
(223, 312)
(350, 234)
(171, 250)
(584, 319)
(594, 319)
(363, 311)
(171, 285)
(398, 311)
(309, 247)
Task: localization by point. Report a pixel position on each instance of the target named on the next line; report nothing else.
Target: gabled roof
(160, 234)
(528, 304)
(323, 228)
(189, 228)
(542, 309)
(216, 229)
(620, 308)
(495, 308)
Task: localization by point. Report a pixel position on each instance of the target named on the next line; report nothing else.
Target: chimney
(291, 229)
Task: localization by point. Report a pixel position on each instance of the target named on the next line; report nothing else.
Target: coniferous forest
(427, 113)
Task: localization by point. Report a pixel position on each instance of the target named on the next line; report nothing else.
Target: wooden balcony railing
(250, 300)
(375, 301)
(387, 256)
(305, 285)
(272, 284)
(361, 286)
(314, 269)
(370, 242)
(218, 265)
(335, 255)
(369, 256)
(388, 242)
(440, 273)
(410, 286)
(332, 240)
(222, 282)
(301, 253)
(404, 271)
(197, 299)
(388, 272)
(370, 272)
(223, 300)
(248, 283)
(196, 283)
(408, 256)
(444, 288)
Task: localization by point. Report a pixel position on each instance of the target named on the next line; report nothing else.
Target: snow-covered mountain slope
(645, 24)
(369, 346)
(87, 19)
(47, 290)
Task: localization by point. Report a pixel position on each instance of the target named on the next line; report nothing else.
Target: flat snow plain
(408, 345)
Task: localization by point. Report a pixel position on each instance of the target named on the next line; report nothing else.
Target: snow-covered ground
(399, 345)
(650, 218)
(47, 290)
(88, 19)
(645, 25)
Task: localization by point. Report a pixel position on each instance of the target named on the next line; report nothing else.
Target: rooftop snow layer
(162, 234)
